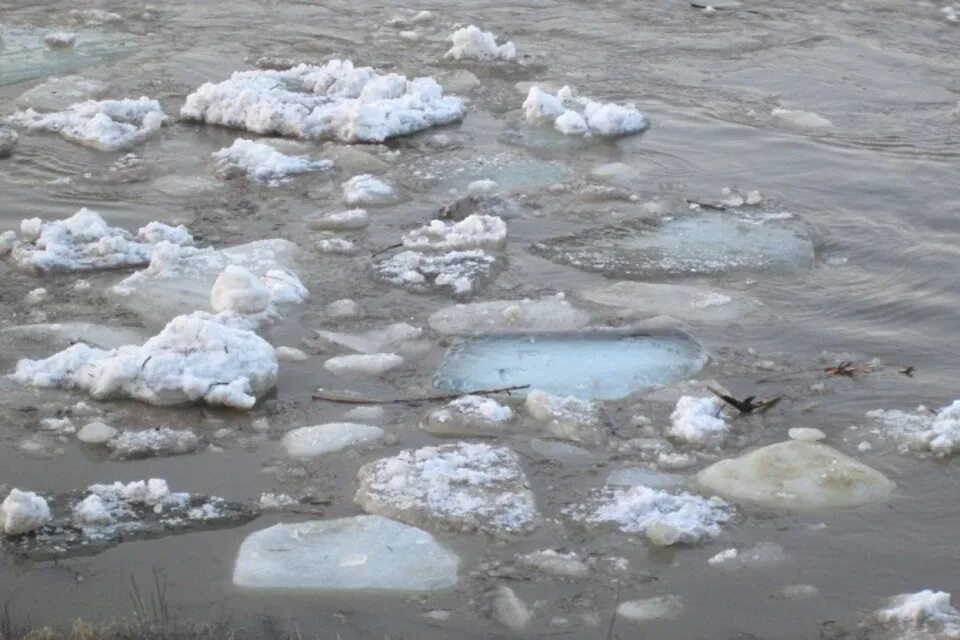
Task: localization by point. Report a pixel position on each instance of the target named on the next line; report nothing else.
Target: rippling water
(880, 190)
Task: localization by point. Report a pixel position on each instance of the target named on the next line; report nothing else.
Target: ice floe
(509, 609)
(658, 608)
(106, 125)
(368, 190)
(687, 303)
(310, 442)
(551, 313)
(469, 416)
(567, 418)
(459, 271)
(924, 614)
(367, 552)
(579, 116)
(473, 232)
(472, 43)
(389, 338)
(922, 431)
(60, 39)
(350, 220)
(567, 565)
(23, 511)
(194, 358)
(370, 364)
(27, 56)
(150, 443)
(464, 487)
(57, 94)
(85, 241)
(796, 475)
(762, 554)
(800, 119)
(336, 100)
(263, 163)
(699, 421)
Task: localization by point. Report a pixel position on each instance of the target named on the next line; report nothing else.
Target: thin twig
(613, 614)
(385, 249)
(340, 398)
(707, 205)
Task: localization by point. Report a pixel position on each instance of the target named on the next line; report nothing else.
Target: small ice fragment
(509, 610)
(263, 163)
(800, 119)
(580, 116)
(343, 308)
(238, 289)
(276, 501)
(471, 42)
(368, 190)
(806, 433)
(371, 364)
(291, 354)
(567, 418)
(468, 416)
(8, 140)
(365, 414)
(482, 187)
(162, 441)
(336, 246)
(96, 433)
(349, 220)
(567, 565)
(473, 232)
(60, 39)
(925, 610)
(22, 512)
(310, 442)
(659, 608)
(699, 421)
(35, 296)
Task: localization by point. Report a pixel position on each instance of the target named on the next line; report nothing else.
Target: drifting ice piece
(310, 442)
(335, 101)
(473, 232)
(579, 116)
(600, 365)
(545, 314)
(471, 42)
(363, 552)
(263, 163)
(469, 416)
(924, 614)
(457, 270)
(687, 303)
(25, 55)
(796, 475)
(921, 431)
(683, 246)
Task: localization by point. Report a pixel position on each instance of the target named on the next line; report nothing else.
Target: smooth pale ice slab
(363, 552)
(796, 475)
(688, 303)
(700, 245)
(601, 365)
(544, 314)
(23, 54)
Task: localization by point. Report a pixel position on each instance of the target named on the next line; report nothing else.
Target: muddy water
(878, 190)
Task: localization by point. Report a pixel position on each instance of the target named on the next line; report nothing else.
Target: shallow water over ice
(25, 56)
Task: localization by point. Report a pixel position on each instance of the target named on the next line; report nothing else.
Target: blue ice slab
(600, 365)
(24, 56)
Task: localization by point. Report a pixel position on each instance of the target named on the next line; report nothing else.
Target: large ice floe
(600, 365)
(26, 56)
(924, 615)
(796, 475)
(107, 125)
(464, 487)
(334, 101)
(104, 515)
(85, 241)
(196, 357)
(472, 43)
(262, 163)
(664, 518)
(574, 115)
(922, 431)
(689, 245)
(367, 552)
(551, 313)
(181, 279)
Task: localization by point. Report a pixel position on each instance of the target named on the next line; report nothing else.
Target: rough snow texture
(923, 432)
(368, 190)
(370, 364)
(194, 358)
(699, 422)
(334, 101)
(238, 289)
(309, 442)
(546, 314)
(150, 443)
(464, 487)
(567, 418)
(665, 518)
(926, 610)
(23, 511)
(578, 116)
(107, 125)
(469, 416)
(263, 163)
(473, 232)
(471, 42)
(85, 241)
(458, 271)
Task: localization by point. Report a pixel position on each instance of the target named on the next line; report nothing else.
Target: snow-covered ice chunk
(665, 518)
(921, 431)
(310, 442)
(763, 554)
(459, 271)
(60, 39)
(238, 289)
(468, 416)
(367, 190)
(567, 418)
(552, 313)
(578, 116)
(360, 553)
(464, 487)
(350, 220)
(263, 163)
(96, 433)
(601, 365)
(806, 433)
(94, 17)
(699, 422)
(659, 608)
(509, 610)
(85, 241)
(370, 364)
(376, 340)
(473, 232)
(276, 501)
(107, 125)
(471, 42)
(567, 565)
(57, 94)
(334, 101)
(195, 357)
(22, 512)
(925, 610)
(149, 443)
(684, 302)
(562, 452)
(800, 119)
(699, 245)
(796, 475)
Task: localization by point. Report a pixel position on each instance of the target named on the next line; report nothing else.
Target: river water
(877, 190)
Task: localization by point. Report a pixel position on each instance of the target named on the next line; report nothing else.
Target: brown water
(879, 189)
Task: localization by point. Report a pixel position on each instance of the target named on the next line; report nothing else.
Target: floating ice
(26, 56)
(545, 314)
(567, 418)
(800, 119)
(468, 416)
(601, 365)
(698, 421)
(8, 140)
(567, 565)
(310, 442)
(389, 338)
(471, 42)
(358, 553)
(687, 303)
(367, 190)
(796, 475)
(291, 354)
(578, 116)
(458, 271)
(762, 554)
(659, 608)
(23, 511)
(337, 246)
(60, 39)
(642, 476)
(107, 125)
(464, 487)
(57, 94)
(703, 245)
(350, 220)
(263, 163)
(562, 452)
(665, 518)
(926, 610)
(85, 241)
(149, 443)
(921, 431)
(444, 172)
(370, 364)
(180, 279)
(473, 232)
(336, 100)
(96, 433)
(195, 357)
(806, 433)
(509, 610)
